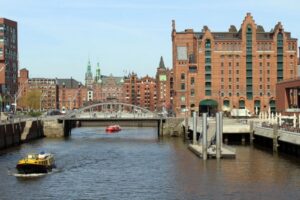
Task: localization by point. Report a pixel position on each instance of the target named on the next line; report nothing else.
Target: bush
(35, 113)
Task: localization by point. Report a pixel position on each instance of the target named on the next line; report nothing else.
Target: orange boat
(113, 128)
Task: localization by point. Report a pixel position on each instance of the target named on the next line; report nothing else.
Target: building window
(226, 103)
(237, 72)
(192, 80)
(230, 87)
(237, 79)
(192, 92)
(182, 98)
(237, 87)
(182, 86)
(229, 79)
(242, 104)
(182, 76)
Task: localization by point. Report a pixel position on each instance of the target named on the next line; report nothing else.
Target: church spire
(98, 73)
(161, 63)
(89, 75)
(89, 68)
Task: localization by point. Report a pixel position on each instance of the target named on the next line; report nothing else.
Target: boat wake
(29, 175)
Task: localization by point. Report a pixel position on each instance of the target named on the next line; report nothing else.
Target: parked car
(53, 112)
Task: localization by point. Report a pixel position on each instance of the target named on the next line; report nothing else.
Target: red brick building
(288, 96)
(234, 69)
(71, 94)
(164, 82)
(147, 95)
(8, 61)
(49, 92)
(112, 88)
(141, 91)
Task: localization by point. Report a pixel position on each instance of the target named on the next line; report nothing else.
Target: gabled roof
(68, 82)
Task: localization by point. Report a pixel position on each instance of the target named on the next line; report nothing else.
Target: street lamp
(18, 94)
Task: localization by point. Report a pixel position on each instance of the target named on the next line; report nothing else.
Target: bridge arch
(103, 106)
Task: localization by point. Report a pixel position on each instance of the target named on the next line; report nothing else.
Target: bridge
(104, 114)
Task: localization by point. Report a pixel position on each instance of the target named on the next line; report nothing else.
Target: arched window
(182, 76)
(226, 103)
(242, 104)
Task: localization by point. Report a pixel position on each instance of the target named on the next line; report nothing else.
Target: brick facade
(8, 61)
(235, 69)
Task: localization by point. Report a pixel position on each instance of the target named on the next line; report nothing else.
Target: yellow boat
(36, 163)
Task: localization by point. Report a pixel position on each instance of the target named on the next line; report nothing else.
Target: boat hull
(113, 128)
(33, 168)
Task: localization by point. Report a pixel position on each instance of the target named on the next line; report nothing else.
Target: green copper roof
(161, 63)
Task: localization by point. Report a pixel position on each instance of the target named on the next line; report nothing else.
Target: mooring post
(218, 142)
(194, 127)
(275, 138)
(221, 129)
(251, 132)
(161, 127)
(186, 128)
(204, 136)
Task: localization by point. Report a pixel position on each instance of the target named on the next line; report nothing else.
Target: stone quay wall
(12, 134)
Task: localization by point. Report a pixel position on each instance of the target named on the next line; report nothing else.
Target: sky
(56, 38)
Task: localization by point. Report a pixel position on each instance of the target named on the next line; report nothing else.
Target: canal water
(135, 164)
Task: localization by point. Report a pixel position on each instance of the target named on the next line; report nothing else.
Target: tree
(32, 99)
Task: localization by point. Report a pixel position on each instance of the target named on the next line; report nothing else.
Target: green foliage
(33, 99)
(35, 113)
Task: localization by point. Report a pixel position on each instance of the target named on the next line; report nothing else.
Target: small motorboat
(36, 164)
(113, 128)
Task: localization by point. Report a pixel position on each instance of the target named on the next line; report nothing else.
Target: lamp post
(18, 94)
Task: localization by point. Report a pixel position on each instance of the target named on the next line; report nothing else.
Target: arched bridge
(104, 114)
(112, 110)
